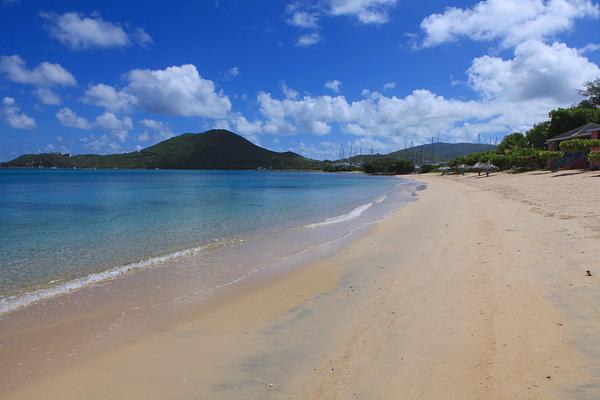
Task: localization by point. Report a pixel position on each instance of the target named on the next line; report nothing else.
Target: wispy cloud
(12, 114)
(85, 31)
(69, 118)
(308, 39)
(334, 85)
(306, 15)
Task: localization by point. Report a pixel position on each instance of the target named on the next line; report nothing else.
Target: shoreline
(129, 309)
(65, 286)
(456, 295)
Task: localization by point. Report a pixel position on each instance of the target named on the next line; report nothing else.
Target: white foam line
(357, 212)
(344, 217)
(12, 303)
(329, 242)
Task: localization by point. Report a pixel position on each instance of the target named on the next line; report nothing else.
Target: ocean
(65, 229)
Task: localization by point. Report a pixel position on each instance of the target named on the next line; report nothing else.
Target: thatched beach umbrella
(478, 166)
(488, 166)
(444, 169)
(464, 167)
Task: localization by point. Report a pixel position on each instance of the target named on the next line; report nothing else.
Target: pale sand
(475, 291)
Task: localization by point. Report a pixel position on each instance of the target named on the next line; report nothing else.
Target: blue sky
(307, 76)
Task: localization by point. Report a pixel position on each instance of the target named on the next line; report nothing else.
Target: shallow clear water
(60, 225)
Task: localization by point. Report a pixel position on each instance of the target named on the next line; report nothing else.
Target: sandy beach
(478, 290)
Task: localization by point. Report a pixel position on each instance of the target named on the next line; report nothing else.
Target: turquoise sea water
(61, 225)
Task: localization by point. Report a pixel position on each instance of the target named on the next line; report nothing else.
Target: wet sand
(469, 293)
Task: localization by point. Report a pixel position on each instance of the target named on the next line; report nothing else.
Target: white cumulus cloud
(159, 127)
(307, 15)
(47, 96)
(108, 97)
(366, 11)
(69, 118)
(308, 39)
(176, 90)
(12, 114)
(45, 74)
(101, 144)
(80, 31)
(537, 71)
(509, 21)
(304, 19)
(233, 72)
(334, 85)
(511, 94)
(118, 126)
(589, 48)
(288, 92)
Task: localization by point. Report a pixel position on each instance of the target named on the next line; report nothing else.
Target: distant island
(214, 149)
(222, 149)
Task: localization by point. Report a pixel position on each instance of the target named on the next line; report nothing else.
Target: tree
(547, 155)
(537, 136)
(386, 165)
(512, 142)
(591, 94)
(579, 145)
(594, 157)
(586, 104)
(565, 119)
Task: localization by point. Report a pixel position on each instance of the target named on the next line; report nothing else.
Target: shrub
(565, 119)
(512, 142)
(501, 161)
(471, 158)
(537, 136)
(388, 166)
(550, 155)
(522, 159)
(428, 168)
(594, 157)
(577, 145)
(331, 167)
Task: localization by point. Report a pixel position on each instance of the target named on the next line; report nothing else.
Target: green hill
(214, 149)
(441, 151)
(429, 153)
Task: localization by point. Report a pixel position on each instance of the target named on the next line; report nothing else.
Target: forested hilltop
(214, 149)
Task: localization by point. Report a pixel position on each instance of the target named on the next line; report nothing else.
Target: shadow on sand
(579, 172)
(542, 173)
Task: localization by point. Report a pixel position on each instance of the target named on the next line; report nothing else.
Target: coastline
(122, 304)
(464, 293)
(197, 244)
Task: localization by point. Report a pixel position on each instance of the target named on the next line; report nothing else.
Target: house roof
(582, 131)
